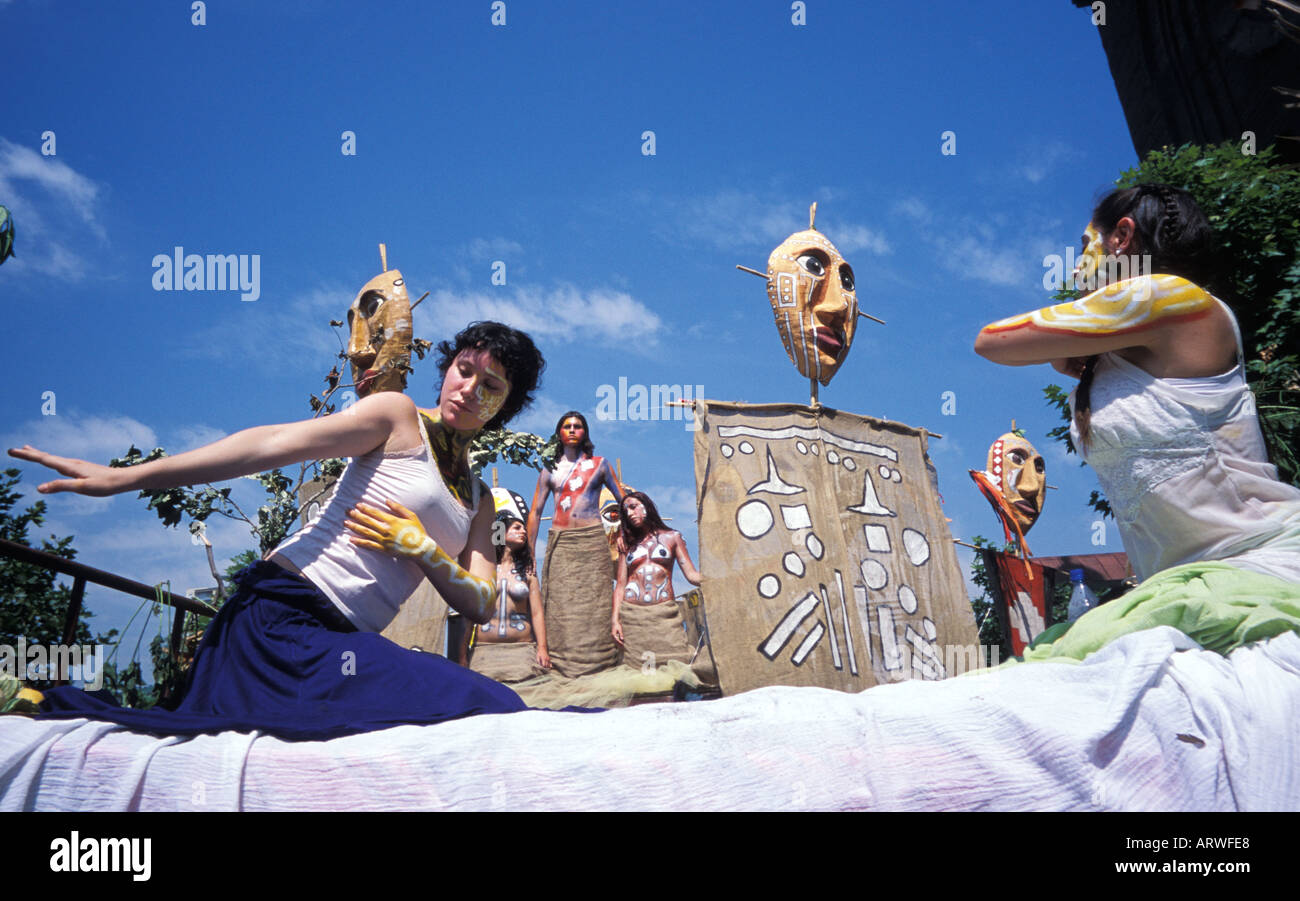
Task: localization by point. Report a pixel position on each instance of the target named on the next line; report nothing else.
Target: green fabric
(1220, 606)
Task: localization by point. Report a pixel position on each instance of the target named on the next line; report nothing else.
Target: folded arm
(1136, 312)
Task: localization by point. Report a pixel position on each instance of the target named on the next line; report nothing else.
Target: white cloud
(480, 249)
(727, 220)
(853, 238)
(304, 339)
(55, 209)
(562, 314)
(95, 438)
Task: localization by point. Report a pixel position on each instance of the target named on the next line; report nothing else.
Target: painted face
(379, 344)
(572, 432)
(1019, 471)
(815, 302)
(1090, 271)
(473, 390)
(635, 511)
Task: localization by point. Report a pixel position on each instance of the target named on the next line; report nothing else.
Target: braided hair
(1171, 230)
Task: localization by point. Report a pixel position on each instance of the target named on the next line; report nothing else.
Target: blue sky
(523, 143)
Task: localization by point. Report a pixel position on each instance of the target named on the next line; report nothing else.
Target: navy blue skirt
(269, 663)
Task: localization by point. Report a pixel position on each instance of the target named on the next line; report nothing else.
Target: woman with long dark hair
(644, 593)
(1162, 411)
(511, 646)
(577, 570)
(296, 651)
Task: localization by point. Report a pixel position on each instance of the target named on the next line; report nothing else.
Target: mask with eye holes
(1018, 471)
(379, 345)
(814, 300)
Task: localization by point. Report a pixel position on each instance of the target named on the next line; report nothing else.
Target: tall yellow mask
(814, 300)
(379, 346)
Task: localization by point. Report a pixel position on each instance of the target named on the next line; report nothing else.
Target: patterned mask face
(1019, 471)
(379, 347)
(815, 302)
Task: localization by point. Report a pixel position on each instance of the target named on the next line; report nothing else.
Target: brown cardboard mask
(1018, 471)
(379, 346)
(814, 300)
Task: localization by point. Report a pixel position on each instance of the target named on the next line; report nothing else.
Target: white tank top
(369, 586)
(1184, 467)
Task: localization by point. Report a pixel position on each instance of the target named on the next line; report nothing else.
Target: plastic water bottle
(1081, 597)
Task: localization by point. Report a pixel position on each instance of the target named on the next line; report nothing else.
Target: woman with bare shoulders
(646, 622)
(511, 646)
(296, 651)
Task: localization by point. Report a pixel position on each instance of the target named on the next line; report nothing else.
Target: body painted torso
(650, 570)
(576, 486)
(510, 622)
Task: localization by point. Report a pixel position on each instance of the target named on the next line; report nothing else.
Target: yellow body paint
(1125, 306)
(412, 541)
(489, 401)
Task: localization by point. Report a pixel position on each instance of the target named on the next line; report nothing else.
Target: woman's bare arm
(361, 428)
(689, 571)
(467, 584)
(538, 615)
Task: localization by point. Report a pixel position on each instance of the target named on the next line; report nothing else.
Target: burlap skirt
(578, 593)
(653, 634)
(506, 662)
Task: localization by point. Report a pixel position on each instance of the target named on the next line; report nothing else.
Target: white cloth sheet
(1151, 722)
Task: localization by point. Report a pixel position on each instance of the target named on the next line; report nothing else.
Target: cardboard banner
(1022, 607)
(825, 555)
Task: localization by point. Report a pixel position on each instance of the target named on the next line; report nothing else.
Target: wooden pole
(383, 256)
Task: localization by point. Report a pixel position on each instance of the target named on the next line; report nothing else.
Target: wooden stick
(422, 297)
(494, 478)
(869, 316)
(812, 384)
(676, 403)
(752, 271)
(812, 216)
(383, 256)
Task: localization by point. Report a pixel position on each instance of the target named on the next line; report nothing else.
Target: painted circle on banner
(745, 447)
(874, 575)
(916, 545)
(727, 451)
(814, 545)
(849, 464)
(815, 449)
(907, 598)
(930, 631)
(801, 447)
(769, 586)
(896, 476)
(792, 563)
(885, 471)
(832, 457)
(754, 519)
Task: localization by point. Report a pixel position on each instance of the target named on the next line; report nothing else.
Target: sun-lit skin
(1018, 470)
(473, 391)
(516, 621)
(401, 533)
(379, 340)
(814, 299)
(645, 572)
(1122, 308)
(576, 482)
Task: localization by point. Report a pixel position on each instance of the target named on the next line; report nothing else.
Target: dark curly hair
(516, 353)
(587, 447)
